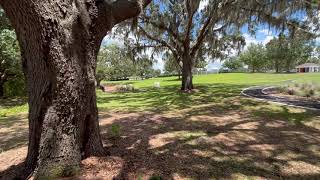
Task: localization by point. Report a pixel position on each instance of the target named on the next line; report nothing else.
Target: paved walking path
(259, 93)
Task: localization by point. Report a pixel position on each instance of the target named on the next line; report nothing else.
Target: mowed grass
(210, 89)
(211, 133)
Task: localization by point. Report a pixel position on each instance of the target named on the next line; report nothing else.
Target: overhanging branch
(160, 41)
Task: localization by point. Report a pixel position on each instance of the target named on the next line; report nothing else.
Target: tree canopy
(207, 29)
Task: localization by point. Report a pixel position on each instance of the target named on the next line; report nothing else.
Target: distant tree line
(114, 63)
(281, 54)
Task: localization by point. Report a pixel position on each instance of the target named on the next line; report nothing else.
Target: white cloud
(249, 40)
(267, 39)
(252, 40)
(159, 64)
(203, 4)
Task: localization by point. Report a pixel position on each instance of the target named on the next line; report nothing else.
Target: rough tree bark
(59, 45)
(187, 84)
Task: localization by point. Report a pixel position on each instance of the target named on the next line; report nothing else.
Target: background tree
(190, 32)
(300, 48)
(233, 64)
(11, 75)
(315, 57)
(59, 44)
(254, 57)
(10, 64)
(156, 72)
(4, 21)
(144, 67)
(171, 66)
(276, 53)
(113, 64)
(287, 51)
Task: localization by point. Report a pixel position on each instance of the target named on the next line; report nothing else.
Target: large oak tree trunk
(63, 120)
(59, 44)
(1, 90)
(187, 84)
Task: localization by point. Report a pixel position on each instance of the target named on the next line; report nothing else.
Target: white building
(308, 67)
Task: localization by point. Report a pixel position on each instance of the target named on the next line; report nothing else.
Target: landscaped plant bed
(298, 91)
(119, 88)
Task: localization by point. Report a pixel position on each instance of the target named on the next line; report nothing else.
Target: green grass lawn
(213, 132)
(211, 89)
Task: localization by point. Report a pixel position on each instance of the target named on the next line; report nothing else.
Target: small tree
(276, 53)
(233, 64)
(113, 64)
(254, 57)
(143, 67)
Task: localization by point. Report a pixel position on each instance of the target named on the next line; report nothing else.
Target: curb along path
(258, 92)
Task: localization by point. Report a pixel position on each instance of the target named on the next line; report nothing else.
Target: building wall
(308, 69)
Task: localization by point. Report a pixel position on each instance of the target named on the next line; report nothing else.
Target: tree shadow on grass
(13, 172)
(173, 80)
(169, 97)
(13, 132)
(218, 142)
(213, 133)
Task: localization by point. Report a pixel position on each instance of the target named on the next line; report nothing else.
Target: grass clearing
(212, 88)
(213, 133)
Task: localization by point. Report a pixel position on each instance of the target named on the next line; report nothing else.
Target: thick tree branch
(192, 7)
(160, 41)
(162, 27)
(114, 12)
(189, 26)
(125, 9)
(203, 32)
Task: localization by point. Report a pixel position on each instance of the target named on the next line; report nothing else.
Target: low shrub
(125, 88)
(307, 89)
(291, 91)
(115, 130)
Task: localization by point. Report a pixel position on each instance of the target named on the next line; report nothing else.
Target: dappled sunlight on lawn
(231, 143)
(213, 132)
(13, 132)
(234, 138)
